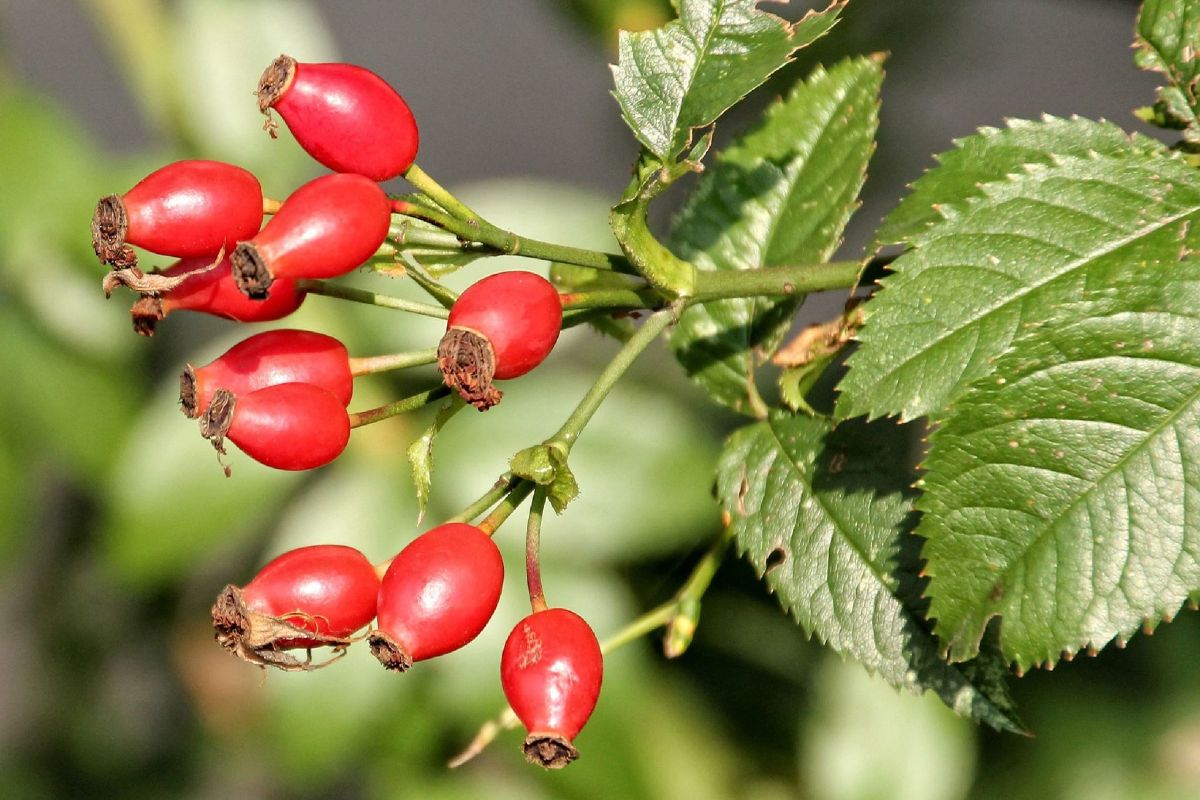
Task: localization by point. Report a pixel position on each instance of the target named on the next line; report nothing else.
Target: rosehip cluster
(282, 396)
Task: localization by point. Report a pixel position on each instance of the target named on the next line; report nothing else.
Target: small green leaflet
(781, 194)
(546, 465)
(1167, 41)
(1064, 492)
(1004, 262)
(824, 515)
(420, 453)
(687, 73)
(992, 155)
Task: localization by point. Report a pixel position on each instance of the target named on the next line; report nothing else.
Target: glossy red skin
(520, 313)
(441, 590)
(551, 669)
(325, 228)
(215, 292)
(290, 426)
(350, 119)
(193, 208)
(334, 588)
(279, 356)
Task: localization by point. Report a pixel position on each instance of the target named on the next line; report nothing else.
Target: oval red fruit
(325, 228)
(213, 291)
(265, 359)
(501, 327)
(438, 594)
(344, 116)
(189, 208)
(325, 591)
(551, 669)
(289, 426)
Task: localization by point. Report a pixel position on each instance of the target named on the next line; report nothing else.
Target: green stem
(369, 365)
(643, 297)
(406, 235)
(621, 362)
(370, 298)
(511, 502)
(492, 496)
(420, 400)
(428, 283)
(425, 184)
(533, 545)
(775, 281)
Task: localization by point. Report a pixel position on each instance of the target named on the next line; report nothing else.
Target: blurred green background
(117, 526)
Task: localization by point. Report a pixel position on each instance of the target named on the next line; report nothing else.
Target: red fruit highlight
(325, 228)
(438, 594)
(551, 669)
(189, 208)
(308, 597)
(289, 426)
(501, 327)
(266, 359)
(346, 117)
(212, 291)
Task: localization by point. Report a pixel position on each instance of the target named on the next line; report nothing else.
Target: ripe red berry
(501, 327)
(290, 426)
(325, 228)
(346, 117)
(265, 359)
(189, 208)
(213, 291)
(438, 594)
(308, 597)
(551, 669)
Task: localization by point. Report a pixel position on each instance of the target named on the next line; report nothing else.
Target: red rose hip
(551, 669)
(346, 117)
(437, 595)
(308, 597)
(290, 426)
(189, 208)
(212, 291)
(325, 228)
(501, 327)
(266, 359)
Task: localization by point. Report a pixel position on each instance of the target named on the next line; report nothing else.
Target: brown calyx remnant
(215, 422)
(274, 82)
(146, 313)
(187, 392)
(110, 223)
(262, 639)
(468, 364)
(549, 750)
(250, 271)
(390, 653)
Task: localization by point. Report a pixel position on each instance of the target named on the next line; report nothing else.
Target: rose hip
(308, 597)
(266, 359)
(551, 669)
(189, 208)
(437, 595)
(501, 327)
(325, 228)
(346, 117)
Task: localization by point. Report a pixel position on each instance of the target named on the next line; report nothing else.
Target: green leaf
(1003, 263)
(824, 515)
(1062, 494)
(420, 453)
(687, 73)
(782, 194)
(991, 155)
(1166, 41)
(546, 465)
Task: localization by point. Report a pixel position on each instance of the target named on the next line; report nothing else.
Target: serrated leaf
(1062, 493)
(782, 194)
(1168, 38)
(824, 515)
(991, 155)
(684, 75)
(1003, 263)
(420, 453)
